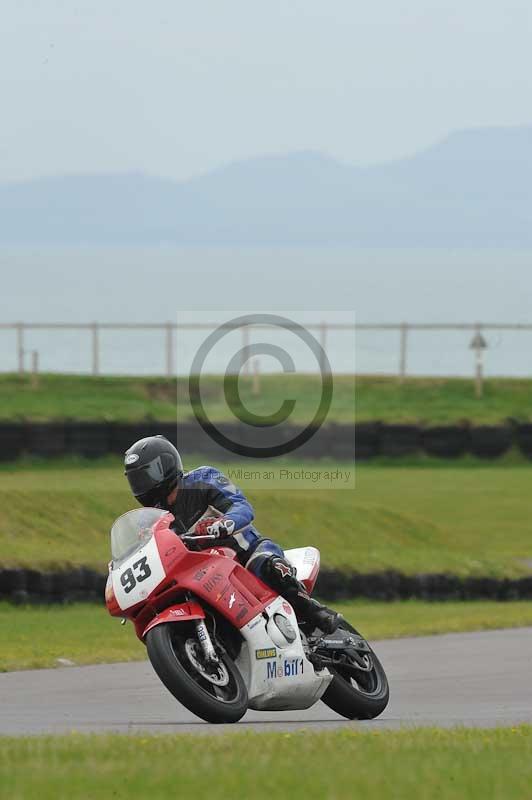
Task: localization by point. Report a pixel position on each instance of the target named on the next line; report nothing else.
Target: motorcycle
(220, 639)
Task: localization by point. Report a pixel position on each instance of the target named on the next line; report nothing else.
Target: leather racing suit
(206, 486)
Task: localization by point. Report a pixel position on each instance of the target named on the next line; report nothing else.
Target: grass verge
(419, 400)
(37, 636)
(422, 519)
(423, 763)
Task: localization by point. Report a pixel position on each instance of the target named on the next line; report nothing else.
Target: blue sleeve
(227, 498)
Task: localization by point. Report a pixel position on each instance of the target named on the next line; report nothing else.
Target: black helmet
(153, 469)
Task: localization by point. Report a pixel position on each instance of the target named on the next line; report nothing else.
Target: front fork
(205, 641)
(204, 637)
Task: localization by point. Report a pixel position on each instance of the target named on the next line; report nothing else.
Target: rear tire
(363, 698)
(169, 650)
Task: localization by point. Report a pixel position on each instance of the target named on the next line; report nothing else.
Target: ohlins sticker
(286, 669)
(268, 652)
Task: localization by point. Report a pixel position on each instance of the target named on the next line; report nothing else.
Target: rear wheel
(215, 692)
(358, 693)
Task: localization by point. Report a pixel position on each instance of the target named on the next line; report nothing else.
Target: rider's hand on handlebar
(212, 526)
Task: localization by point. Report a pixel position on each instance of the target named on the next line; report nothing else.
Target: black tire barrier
(399, 440)
(87, 585)
(123, 434)
(333, 440)
(47, 439)
(193, 438)
(490, 441)
(12, 581)
(367, 440)
(12, 440)
(88, 439)
(391, 585)
(446, 441)
(523, 437)
(62, 586)
(341, 441)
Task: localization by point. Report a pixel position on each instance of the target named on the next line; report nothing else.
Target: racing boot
(282, 576)
(315, 613)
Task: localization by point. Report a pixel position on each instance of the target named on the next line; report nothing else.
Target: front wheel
(357, 693)
(214, 692)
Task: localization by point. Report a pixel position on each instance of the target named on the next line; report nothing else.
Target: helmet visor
(143, 479)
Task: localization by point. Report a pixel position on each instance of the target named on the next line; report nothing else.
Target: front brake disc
(216, 674)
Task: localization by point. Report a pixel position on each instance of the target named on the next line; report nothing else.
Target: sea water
(309, 285)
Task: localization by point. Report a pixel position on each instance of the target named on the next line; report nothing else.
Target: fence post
(479, 377)
(478, 344)
(95, 349)
(169, 350)
(20, 347)
(403, 351)
(245, 350)
(323, 343)
(34, 369)
(255, 388)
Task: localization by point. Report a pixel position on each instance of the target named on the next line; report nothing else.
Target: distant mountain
(472, 189)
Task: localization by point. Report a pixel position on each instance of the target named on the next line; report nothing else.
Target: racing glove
(213, 526)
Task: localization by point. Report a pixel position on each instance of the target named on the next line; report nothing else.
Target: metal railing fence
(170, 329)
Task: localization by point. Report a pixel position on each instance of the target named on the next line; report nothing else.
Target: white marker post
(34, 381)
(255, 386)
(479, 344)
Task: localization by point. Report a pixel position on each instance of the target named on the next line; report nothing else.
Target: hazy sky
(175, 88)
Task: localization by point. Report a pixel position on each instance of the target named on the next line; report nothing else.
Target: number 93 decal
(135, 580)
(137, 573)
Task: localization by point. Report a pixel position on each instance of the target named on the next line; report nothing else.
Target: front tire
(217, 695)
(363, 697)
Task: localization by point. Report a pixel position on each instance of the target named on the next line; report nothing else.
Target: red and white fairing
(145, 586)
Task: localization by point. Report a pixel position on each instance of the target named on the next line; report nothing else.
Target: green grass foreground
(459, 519)
(37, 636)
(424, 763)
(419, 400)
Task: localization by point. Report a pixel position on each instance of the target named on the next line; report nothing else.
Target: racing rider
(155, 473)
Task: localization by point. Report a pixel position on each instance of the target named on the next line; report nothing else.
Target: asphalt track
(472, 679)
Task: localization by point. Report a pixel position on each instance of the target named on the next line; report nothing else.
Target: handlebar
(192, 538)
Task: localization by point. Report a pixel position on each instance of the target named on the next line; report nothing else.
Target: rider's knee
(257, 563)
(280, 574)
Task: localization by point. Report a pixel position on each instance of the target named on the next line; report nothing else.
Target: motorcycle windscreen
(133, 530)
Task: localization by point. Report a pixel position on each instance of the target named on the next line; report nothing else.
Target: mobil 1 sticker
(289, 668)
